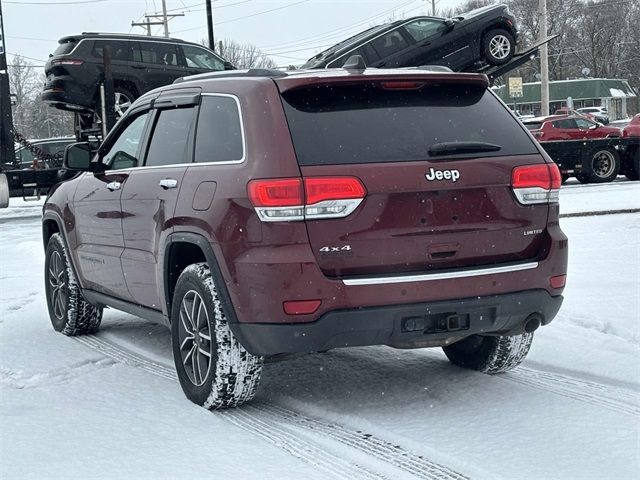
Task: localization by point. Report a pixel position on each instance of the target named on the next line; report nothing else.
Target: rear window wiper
(453, 148)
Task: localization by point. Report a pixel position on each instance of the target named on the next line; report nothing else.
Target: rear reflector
(538, 183)
(277, 200)
(558, 281)
(302, 307)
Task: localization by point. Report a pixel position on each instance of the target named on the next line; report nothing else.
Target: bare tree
(31, 117)
(244, 55)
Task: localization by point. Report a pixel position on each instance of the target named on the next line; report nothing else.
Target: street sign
(515, 87)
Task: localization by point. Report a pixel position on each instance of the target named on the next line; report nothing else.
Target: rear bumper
(66, 94)
(403, 326)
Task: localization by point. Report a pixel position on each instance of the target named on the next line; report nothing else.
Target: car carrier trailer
(597, 160)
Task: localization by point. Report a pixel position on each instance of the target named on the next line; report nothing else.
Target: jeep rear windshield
(65, 47)
(368, 123)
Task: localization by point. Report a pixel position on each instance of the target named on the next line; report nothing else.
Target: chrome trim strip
(440, 276)
(201, 164)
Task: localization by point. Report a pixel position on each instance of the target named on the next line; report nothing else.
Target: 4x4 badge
(452, 175)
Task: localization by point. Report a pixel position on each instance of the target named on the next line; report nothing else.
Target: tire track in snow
(18, 380)
(617, 399)
(279, 426)
(388, 453)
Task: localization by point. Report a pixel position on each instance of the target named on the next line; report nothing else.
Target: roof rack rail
(252, 72)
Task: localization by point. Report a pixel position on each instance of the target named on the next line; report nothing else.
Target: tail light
(67, 61)
(536, 183)
(288, 199)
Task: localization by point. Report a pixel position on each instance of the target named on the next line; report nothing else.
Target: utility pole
(146, 24)
(162, 19)
(6, 118)
(433, 8)
(212, 44)
(544, 60)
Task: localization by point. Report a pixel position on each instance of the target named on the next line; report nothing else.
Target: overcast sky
(290, 31)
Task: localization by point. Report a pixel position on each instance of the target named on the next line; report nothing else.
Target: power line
(325, 38)
(330, 33)
(76, 2)
(247, 16)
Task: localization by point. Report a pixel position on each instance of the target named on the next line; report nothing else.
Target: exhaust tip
(533, 322)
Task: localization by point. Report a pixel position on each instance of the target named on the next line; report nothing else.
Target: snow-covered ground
(108, 406)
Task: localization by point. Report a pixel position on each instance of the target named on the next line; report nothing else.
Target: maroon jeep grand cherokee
(261, 212)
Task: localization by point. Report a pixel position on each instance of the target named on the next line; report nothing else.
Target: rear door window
(367, 52)
(367, 124)
(219, 134)
(157, 53)
(119, 50)
(171, 137)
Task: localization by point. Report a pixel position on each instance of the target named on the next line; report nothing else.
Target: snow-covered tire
(489, 354)
(498, 46)
(200, 331)
(4, 191)
(69, 312)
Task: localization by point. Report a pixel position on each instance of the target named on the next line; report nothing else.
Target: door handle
(168, 183)
(114, 186)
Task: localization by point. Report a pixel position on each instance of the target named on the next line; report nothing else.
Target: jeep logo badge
(452, 175)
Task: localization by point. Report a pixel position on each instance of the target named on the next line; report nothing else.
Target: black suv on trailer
(139, 63)
(487, 35)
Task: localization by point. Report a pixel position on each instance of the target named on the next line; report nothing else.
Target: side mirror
(449, 23)
(593, 127)
(229, 66)
(77, 156)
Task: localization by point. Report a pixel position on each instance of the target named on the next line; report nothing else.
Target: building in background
(615, 94)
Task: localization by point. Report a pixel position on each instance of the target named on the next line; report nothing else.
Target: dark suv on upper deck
(484, 35)
(261, 212)
(139, 64)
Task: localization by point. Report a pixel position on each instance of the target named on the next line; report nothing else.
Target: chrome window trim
(194, 164)
(140, 40)
(425, 277)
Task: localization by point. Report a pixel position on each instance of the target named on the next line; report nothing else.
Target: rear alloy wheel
(603, 166)
(214, 370)
(69, 312)
(498, 47)
(488, 354)
(122, 101)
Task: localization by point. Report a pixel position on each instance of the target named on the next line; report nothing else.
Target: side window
(219, 134)
(421, 29)
(583, 123)
(124, 150)
(200, 58)
(170, 138)
(567, 124)
(25, 156)
(158, 53)
(121, 51)
(389, 43)
(367, 52)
